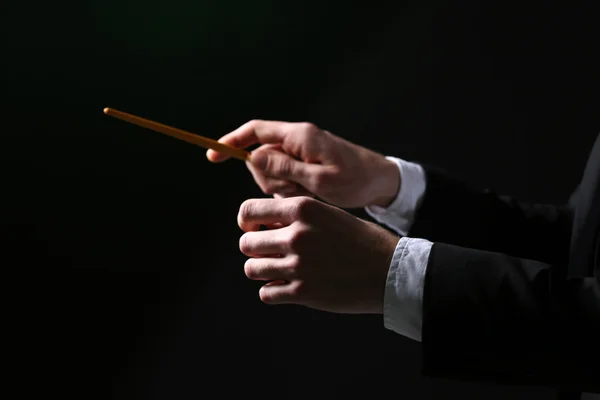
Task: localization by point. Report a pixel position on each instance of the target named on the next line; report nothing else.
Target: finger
(256, 131)
(270, 185)
(263, 243)
(270, 268)
(271, 146)
(301, 192)
(275, 225)
(280, 166)
(281, 293)
(277, 282)
(256, 212)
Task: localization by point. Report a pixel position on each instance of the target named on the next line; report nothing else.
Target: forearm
(488, 316)
(432, 205)
(455, 213)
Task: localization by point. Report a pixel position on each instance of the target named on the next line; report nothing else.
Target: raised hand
(299, 159)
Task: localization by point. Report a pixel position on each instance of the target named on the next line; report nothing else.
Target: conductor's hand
(315, 255)
(298, 159)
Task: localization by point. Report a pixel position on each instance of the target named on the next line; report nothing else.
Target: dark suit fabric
(512, 290)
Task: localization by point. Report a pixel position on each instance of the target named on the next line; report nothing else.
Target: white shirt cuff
(400, 214)
(403, 298)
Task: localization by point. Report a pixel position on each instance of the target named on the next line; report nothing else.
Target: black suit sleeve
(453, 212)
(492, 317)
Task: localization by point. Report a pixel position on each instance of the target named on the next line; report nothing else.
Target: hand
(315, 255)
(299, 159)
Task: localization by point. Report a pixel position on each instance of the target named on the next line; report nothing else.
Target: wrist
(388, 181)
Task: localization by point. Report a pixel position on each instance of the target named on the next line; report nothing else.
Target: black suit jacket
(513, 295)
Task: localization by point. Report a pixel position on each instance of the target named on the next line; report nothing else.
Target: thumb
(277, 164)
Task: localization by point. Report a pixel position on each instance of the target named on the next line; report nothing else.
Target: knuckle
(277, 187)
(266, 296)
(245, 210)
(249, 269)
(304, 207)
(282, 165)
(267, 162)
(245, 245)
(268, 187)
(308, 128)
(294, 264)
(297, 290)
(320, 181)
(299, 238)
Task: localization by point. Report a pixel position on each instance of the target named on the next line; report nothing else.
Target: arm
(489, 316)
(300, 159)
(433, 205)
(453, 212)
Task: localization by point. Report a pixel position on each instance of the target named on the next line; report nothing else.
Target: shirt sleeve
(403, 298)
(400, 214)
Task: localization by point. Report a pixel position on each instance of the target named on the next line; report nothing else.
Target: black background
(125, 241)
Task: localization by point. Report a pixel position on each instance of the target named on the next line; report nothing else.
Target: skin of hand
(299, 159)
(315, 255)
